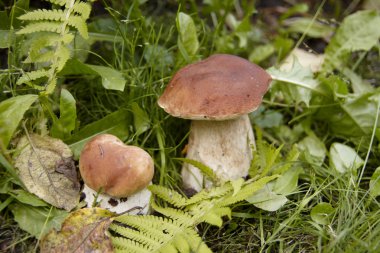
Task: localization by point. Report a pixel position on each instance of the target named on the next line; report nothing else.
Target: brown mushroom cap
(220, 87)
(108, 165)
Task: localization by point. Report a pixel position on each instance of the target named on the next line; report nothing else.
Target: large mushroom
(116, 175)
(217, 94)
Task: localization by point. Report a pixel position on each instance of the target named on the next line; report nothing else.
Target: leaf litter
(47, 169)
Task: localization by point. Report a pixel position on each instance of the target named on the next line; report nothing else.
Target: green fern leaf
(207, 171)
(80, 24)
(31, 76)
(291, 158)
(181, 244)
(137, 235)
(168, 195)
(63, 55)
(58, 2)
(43, 14)
(212, 193)
(247, 190)
(82, 8)
(175, 214)
(41, 27)
(121, 244)
(212, 218)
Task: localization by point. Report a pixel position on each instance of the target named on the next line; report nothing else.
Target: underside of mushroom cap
(218, 88)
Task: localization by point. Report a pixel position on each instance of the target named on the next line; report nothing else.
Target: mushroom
(120, 173)
(217, 94)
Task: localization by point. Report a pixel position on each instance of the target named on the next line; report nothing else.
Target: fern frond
(43, 14)
(136, 235)
(31, 76)
(289, 161)
(211, 193)
(41, 27)
(58, 2)
(207, 171)
(80, 24)
(163, 234)
(63, 55)
(246, 191)
(122, 244)
(175, 214)
(39, 58)
(168, 195)
(82, 8)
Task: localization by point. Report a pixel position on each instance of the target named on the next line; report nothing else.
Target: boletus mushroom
(119, 172)
(217, 94)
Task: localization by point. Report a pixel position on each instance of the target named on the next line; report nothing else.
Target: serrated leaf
(188, 43)
(46, 168)
(343, 158)
(82, 231)
(11, 113)
(351, 37)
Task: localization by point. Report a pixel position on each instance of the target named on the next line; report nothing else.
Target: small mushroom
(120, 173)
(217, 94)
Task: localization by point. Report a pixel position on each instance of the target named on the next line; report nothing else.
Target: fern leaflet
(53, 48)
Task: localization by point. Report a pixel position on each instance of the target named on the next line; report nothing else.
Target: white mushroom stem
(137, 203)
(224, 146)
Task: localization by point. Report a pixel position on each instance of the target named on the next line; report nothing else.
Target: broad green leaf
(63, 127)
(141, 120)
(354, 118)
(260, 53)
(6, 37)
(27, 198)
(359, 31)
(267, 200)
(116, 123)
(344, 158)
(374, 183)
(111, 78)
(322, 213)
(308, 27)
(188, 43)
(288, 181)
(314, 150)
(37, 220)
(295, 84)
(11, 113)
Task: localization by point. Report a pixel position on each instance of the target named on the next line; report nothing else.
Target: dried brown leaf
(46, 167)
(84, 230)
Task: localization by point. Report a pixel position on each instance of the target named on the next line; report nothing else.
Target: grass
(141, 42)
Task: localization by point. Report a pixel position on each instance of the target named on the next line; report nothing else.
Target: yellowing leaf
(84, 230)
(46, 168)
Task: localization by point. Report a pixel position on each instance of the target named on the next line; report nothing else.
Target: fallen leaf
(84, 230)
(46, 168)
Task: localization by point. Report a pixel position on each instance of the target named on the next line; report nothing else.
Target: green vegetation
(71, 69)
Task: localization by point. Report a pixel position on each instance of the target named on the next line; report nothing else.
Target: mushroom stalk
(224, 146)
